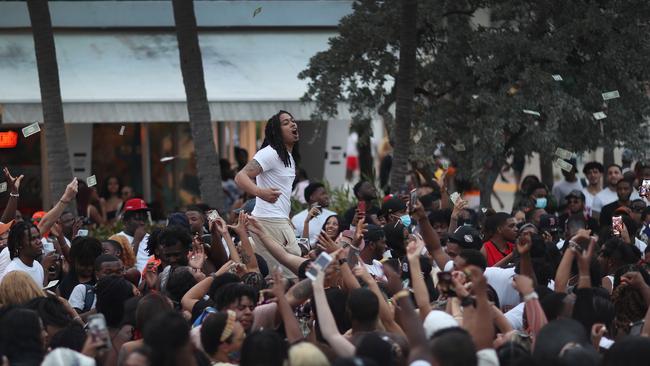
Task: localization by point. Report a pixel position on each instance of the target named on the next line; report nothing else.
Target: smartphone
(412, 199)
(213, 215)
(636, 328)
(361, 207)
(617, 225)
(82, 232)
(319, 264)
(317, 206)
(644, 190)
(454, 198)
(98, 330)
(48, 246)
(445, 285)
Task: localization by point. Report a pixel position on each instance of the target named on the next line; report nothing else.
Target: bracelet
(401, 294)
(531, 296)
(14, 194)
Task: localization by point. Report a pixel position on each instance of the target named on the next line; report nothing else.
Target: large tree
(207, 159)
(474, 80)
(405, 85)
(56, 143)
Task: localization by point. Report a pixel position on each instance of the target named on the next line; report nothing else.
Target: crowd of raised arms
(416, 278)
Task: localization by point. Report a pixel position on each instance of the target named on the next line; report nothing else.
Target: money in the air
(459, 146)
(3, 187)
(563, 154)
(534, 113)
(122, 130)
(600, 115)
(611, 95)
(31, 129)
(166, 159)
(567, 167)
(557, 77)
(91, 181)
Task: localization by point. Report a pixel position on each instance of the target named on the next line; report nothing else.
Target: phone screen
(320, 263)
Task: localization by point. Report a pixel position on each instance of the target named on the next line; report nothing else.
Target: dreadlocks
(273, 138)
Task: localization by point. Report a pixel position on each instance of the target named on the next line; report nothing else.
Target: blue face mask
(406, 220)
(540, 202)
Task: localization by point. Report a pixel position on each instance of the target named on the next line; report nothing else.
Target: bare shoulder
(253, 168)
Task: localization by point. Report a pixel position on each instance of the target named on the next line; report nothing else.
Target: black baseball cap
(575, 194)
(467, 237)
(393, 205)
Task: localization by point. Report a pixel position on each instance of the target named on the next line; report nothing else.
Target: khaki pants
(282, 231)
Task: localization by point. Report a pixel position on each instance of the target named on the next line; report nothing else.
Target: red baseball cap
(135, 204)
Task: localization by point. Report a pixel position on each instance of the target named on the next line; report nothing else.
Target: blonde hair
(127, 257)
(17, 288)
(306, 354)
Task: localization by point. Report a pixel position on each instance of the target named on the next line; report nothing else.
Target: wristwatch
(531, 296)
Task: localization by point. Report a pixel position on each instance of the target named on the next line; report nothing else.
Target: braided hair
(15, 238)
(273, 138)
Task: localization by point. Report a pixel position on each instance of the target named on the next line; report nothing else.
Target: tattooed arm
(244, 180)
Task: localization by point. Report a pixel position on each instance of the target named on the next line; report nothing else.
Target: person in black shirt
(366, 192)
(576, 205)
(623, 190)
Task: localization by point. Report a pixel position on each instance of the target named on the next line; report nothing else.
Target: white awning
(115, 76)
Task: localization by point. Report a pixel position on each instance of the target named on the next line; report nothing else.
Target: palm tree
(198, 109)
(405, 89)
(56, 144)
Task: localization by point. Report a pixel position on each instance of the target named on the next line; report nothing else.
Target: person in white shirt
(311, 220)
(83, 298)
(24, 245)
(274, 168)
(607, 195)
(593, 170)
(134, 217)
(568, 184)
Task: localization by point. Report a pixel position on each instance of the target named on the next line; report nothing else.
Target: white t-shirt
(4, 261)
(142, 257)
(589, 201)
(562, 188)
(315, 225)
(376, 269)
(274, 175)
(78, 297)
(35, 271)
(501, 280)
(603, 198)
(515, 316)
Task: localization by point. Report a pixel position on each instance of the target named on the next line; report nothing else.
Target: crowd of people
(408, 279)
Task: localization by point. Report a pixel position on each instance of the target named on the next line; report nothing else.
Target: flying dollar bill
(557, 77)
(563, 154)
(611, 95)
(600, 115)
(31, 129)
(91, 181)
(566, 166)
(534, 113)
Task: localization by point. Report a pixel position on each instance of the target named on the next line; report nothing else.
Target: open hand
(13, 184)
(240, 227)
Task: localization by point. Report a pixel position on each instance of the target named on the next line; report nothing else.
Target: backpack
(89, 298)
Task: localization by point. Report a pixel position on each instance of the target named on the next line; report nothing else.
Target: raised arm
(53, 215)
(217, 253)
(455, 213)
(13, 186)
(411, 324)
(244, 180)
(385, 314)
(291, 325)
(247, 254)
(339, 344)
(292, 262)
(413, 250)
(430, 237)
(533, 309)
(482, 326)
